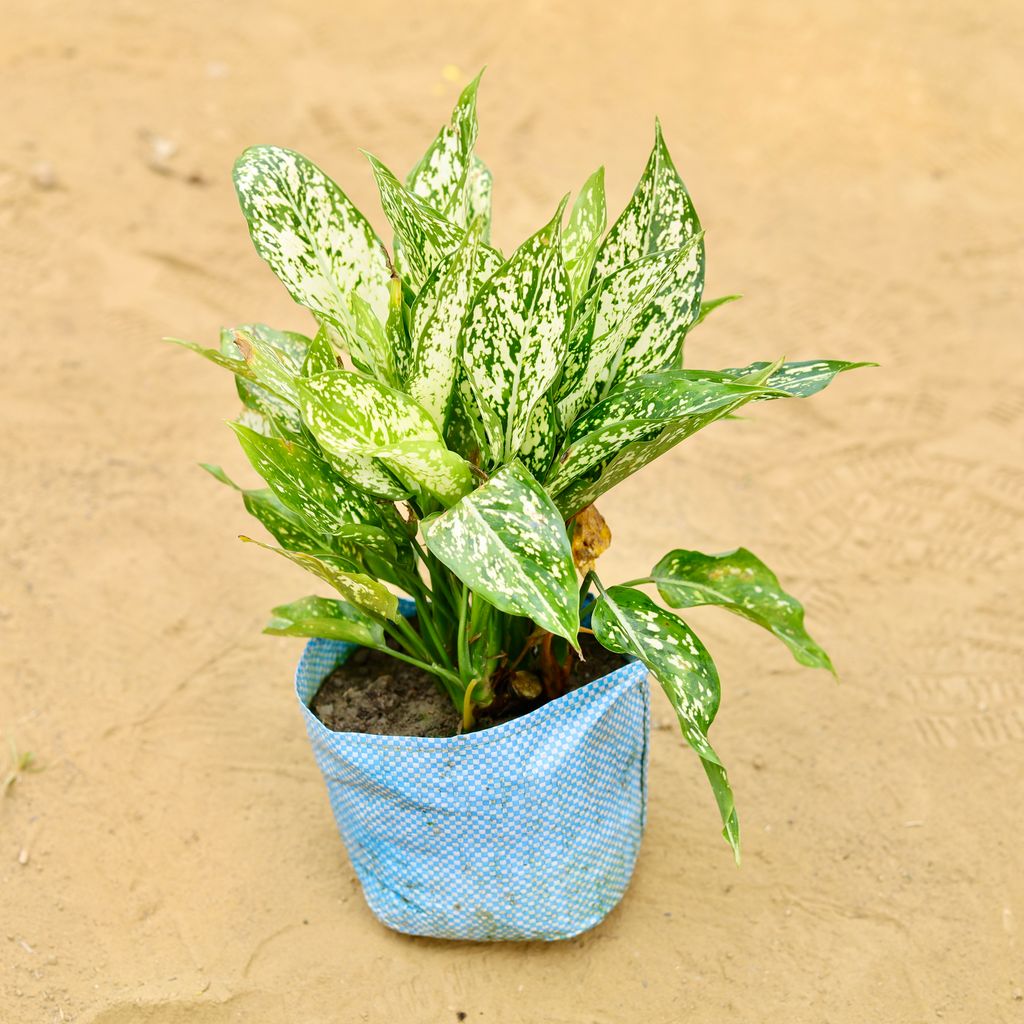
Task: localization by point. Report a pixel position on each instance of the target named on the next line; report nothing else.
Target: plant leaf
(797, 379)
(437, 316)
(609, 342)
(355, 587)
(708, 306)
(645, 418)
(359, 421)
(320, 246)
(659, 217)
(542, 437)
(328, 618)
(479, 187)
(742, 583)
(441, 175)
(629, 622)
(514, 337)
(507, 542)
(582, 234)
(320, 356)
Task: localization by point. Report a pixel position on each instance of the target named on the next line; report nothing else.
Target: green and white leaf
(612, 340)
(797, 379)
(514, 337)
(542, 437)
(440, 178)
(437, 316)
(629, 622)
(657, 405)
(328, 618)
(507, 542)
(582, 234)
(361, 422)
(479, 188)
(355, 587)
(316, 241)
(320, 356)
(742, 583)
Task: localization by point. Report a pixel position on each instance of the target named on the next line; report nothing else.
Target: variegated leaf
(437, 316)
(609, 343)
(507, 542)
(328, 618)
(660, 216)
(742, 583)
(307, 485)
(479, 187)
(582, 234)
(357, 420)
(797, 379)
(310, 234)
(425, 235)
(355, 587)
(514, 337)
(629, 622)
(320, 356)
(542, 437)
(440, 177)
(655, 405)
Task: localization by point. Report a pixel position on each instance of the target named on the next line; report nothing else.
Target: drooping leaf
(235, 363)
(514, 337)
(507, 542)
(328, 618)
(656, 410)
(582, 234)
(355, 587)
(437, 316)
(797, 379)
(610, 342)
(478, 197)
(361, 422)
(742, 583)
(629, 622)
(440, 178)
(313, 238)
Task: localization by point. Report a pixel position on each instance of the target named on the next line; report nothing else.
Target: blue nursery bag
(526, 830)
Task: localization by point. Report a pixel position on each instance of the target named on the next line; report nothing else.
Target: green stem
(463, 642)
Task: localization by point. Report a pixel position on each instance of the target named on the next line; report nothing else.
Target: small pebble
(43, 175)
(23, 855)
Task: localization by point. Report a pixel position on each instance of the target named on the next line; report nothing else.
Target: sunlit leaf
(582, 234)
(507, 542)
(629, 622)
(478, 197)
(742, 583)
(313, 238)
(355, 587)
(514, 337)
(328, 618)
(360, 422)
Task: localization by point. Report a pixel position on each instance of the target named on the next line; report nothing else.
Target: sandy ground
(857, 167)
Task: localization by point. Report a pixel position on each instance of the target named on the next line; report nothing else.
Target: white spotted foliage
(507, 542)
(629, 622)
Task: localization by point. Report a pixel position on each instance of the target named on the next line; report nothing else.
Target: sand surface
(857, 167)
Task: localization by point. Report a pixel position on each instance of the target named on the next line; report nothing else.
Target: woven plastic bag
(527, 830)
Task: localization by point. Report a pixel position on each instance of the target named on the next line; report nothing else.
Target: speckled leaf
(582, 234)
(440, 177)
(644, 411)
(514, 337)
(629, 622)
(742, 583)
(355, 587)
(355, 418)
(797, 379)
(320, 356)
(425, 235)
(437, 316)
(542, 436)
(479, 187)
(608, 343)
(271, 367)
(307, 485)
(310, 234)
(328, 618)
(508, 543)
(659, 217)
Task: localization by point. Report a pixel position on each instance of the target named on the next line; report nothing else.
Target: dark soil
(373, 692)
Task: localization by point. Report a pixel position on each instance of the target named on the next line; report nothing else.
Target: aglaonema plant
(446, 429)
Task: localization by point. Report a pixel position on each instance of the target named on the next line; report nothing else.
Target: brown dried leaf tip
(590, 538)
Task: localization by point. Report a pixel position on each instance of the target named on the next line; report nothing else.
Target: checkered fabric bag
(527, 830)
